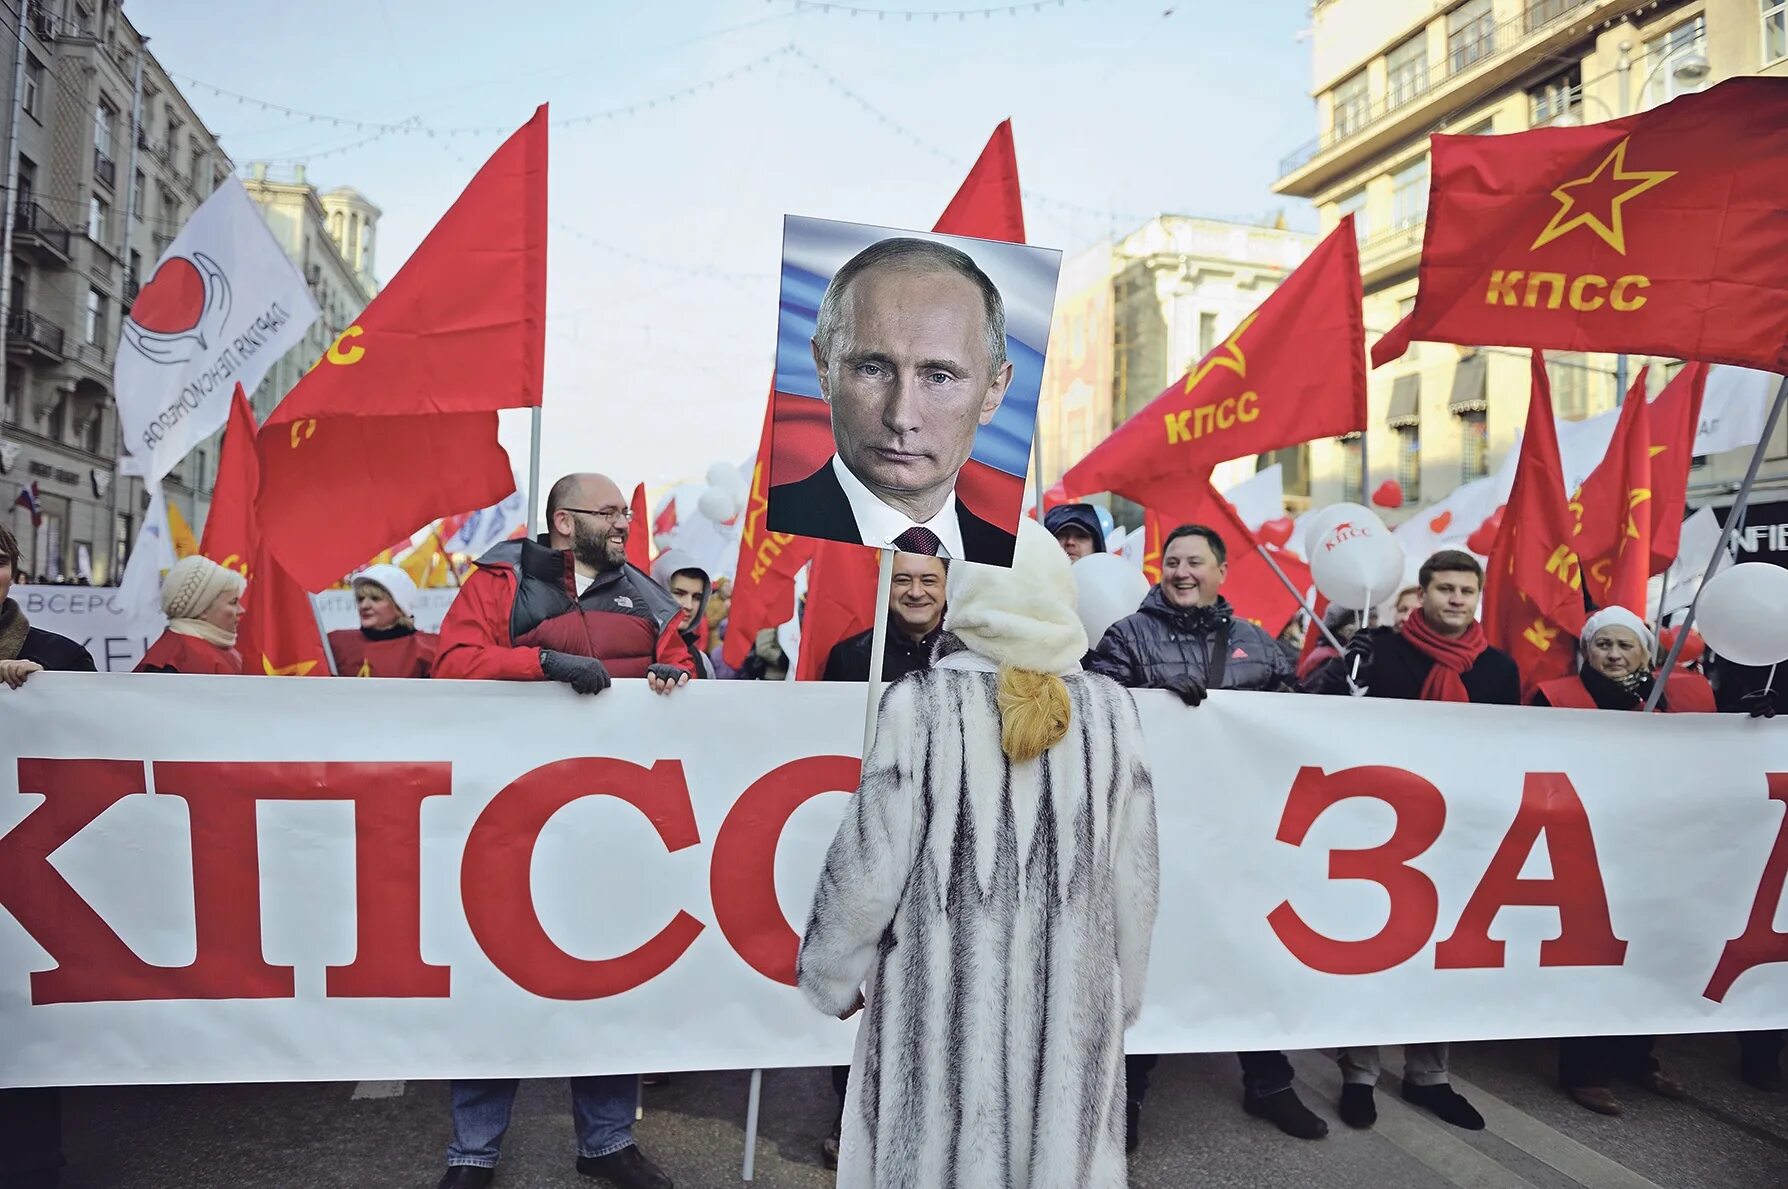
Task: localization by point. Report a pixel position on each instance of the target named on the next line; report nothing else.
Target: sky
(714, 119)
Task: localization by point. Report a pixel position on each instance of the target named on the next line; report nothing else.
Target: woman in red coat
(386, 644)
(203, 603)
(1618, 674)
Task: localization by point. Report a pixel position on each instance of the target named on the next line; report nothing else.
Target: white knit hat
(394, 582)
(1617, 616)
(193, 584)
(1023, 616)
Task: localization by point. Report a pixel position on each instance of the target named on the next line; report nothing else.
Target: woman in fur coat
(992, 889)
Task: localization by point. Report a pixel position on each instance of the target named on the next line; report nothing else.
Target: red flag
(639, 532)
(1533, 597)
(1612, 529)
(398, 423)
(1293, 371)
(667, 518)
(987, 206)
(278, 635)
(1657, 234)
(1675, 420)
(840, 602)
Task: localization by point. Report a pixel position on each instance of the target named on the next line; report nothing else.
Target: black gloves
(1760, 703)
(584, 674)
(668, 673)
(1187, 687)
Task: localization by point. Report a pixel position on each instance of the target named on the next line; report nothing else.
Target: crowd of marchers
(993, 674)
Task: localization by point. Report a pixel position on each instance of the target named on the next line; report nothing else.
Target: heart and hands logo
(180, 310)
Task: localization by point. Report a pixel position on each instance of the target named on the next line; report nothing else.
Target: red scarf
(1451, 657)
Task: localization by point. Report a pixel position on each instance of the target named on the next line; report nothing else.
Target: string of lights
(337, 150)
(932, 14)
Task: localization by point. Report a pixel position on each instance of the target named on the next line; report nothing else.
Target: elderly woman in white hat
(386, 644)
(1002, 741)
(1618, 673)
(203, 603)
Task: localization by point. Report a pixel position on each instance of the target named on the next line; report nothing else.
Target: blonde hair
(1034, 712)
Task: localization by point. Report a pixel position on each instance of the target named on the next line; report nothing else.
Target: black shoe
(1358, 1109)
(1765, 1075)
(1286, 1111)
(467, 1176)
(626, 1169)
(1446, 1102)
(1132, 1126)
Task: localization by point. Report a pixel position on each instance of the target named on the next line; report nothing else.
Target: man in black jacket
(1076, 529)
(30, 1116)
(915, 619)
(1440, 654)
(1187, 639)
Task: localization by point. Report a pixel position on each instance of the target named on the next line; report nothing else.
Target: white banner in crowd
(224, 304)
(116, 631)
(362, 879)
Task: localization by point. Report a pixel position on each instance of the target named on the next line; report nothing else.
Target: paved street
(1726, 1136)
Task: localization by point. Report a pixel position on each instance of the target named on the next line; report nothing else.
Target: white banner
(362, 879)
(116, 632)
(224, 304)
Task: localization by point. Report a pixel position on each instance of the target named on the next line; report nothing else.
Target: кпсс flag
(1661, 233)
(1293, 371)
(397, 424)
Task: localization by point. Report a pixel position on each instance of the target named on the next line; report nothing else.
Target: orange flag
(639, 532)
(278, 635)
(1294, 370)
(1612, 511)
(987, 206)
(397, 424)
(1533, 597)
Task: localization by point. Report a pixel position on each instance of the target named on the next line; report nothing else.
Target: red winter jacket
(1684, 693)
(523, 597)
(177, 653)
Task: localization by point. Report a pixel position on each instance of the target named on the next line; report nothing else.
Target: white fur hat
(1617, 616)
(394, 582)
(193, 583)
(1024, 616)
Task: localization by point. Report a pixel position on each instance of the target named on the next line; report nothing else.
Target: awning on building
(1406, 402)
(1470, 385)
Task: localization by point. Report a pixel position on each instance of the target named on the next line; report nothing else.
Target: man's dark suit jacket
(817, 507)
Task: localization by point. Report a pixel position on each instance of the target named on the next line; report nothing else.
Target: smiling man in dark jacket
(1187, 638)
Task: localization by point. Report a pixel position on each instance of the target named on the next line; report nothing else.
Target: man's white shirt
(879, 525)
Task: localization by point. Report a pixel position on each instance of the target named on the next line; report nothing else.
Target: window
(1474, 445)
(58, 418)
(96, 316)
(1555, 97)
(1296, 463)
(1353, 468)
(33, 88)
(98, 218)
(1352, 106)
(1409, 462)
(1471, 34)
(138, 187)
(1775, 30)
(1663, 52)
(1541, 13)
(1568, 372)
(1409, 194)
(103, 117)
(135, 276)
(15, 394)
(1354, 204)
(1207, 333)
(27, 179)
(1406, 71)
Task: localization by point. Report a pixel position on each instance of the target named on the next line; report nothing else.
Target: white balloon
(1323, 519)
(1743, 614)
(1356, 562)
(726, 476)
(718, 505)
(1109, 589)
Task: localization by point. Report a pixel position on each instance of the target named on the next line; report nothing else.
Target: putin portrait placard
(908, 366)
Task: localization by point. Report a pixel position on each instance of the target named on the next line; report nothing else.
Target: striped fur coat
(1000, 916)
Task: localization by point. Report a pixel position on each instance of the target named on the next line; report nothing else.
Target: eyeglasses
(603, 513)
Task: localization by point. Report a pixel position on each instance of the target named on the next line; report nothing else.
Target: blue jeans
(602, 1108)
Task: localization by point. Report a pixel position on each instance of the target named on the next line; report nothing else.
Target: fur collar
(13, 630)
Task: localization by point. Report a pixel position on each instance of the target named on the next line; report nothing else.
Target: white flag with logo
(1734, 408)
(222, 307)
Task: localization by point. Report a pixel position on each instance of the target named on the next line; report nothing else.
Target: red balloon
(1483, 539)
(1276, 532)
(1389, 494)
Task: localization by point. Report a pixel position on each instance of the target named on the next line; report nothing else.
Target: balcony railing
(32, 221)
(105, 171)
(34, 332)
(1479, 46)
(1381, 247)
